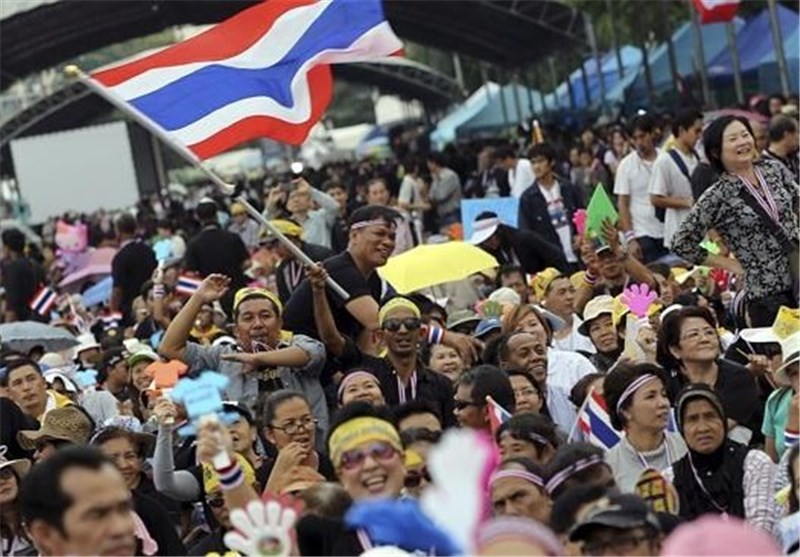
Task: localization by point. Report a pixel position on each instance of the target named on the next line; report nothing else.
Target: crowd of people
(637, 387)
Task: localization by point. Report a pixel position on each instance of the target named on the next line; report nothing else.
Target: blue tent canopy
(491, 116)
(768, 76)
(754, 42)
(714, 41)
(445, 131)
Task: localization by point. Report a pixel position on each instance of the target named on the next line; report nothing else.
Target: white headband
(521, 474)
(633, 387)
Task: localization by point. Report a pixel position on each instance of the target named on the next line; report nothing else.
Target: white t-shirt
(559, 219)
(408, 191)
(669, 181)
(564, 369)
(575, 341)
(521, 177)
(633, 180)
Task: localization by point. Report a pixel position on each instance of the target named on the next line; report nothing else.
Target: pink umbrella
(97, 265)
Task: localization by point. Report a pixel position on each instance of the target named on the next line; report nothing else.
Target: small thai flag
(497, 414)
(44, 300)
(111, 319)
(187, 284)
(595, 423)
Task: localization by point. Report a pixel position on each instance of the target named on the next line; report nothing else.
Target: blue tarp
(445, 131)
(491, 116)
(768, 77)
(714, 41)
(615, 90)
(754, 42)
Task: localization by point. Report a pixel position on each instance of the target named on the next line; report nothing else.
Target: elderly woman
(754, 208)
(638, 405)
(718, 475)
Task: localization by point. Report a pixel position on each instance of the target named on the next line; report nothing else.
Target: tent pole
(737, 67)
(673, 62)
(648, 77)
(700, 56)
(571, 91)
(596, 54)
(501, 79)
(459, 73)
(585, 78)
(527, 83)
(614, 41)
(554, 80)
(780, 55)
(517, 103)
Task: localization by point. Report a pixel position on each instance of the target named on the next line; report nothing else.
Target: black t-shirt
(431, 387)
(325, 536)
(21, 280)
(131, 267)
(214, 250)
(299, 312)
(157, 521)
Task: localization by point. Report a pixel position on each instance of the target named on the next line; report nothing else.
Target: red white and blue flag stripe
(188, 284)
(497, 414)
(112, 319)
(716, 11)
(265, 72)
(44, 300)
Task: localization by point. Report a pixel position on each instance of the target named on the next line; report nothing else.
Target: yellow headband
(211, 478)
(542, 280)
(396, 303)
(358, 431)
(250, 293)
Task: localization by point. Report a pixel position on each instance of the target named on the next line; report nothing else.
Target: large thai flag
(263, 73)
(596, 424)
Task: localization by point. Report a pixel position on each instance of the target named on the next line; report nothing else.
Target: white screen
(78, 170)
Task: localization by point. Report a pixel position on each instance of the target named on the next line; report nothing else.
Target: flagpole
(75, 72)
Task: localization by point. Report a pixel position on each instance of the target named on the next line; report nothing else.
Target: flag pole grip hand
(288, 244)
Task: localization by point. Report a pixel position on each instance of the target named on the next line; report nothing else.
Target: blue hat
(487, 325)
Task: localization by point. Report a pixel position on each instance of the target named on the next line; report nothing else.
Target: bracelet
(791, 438)
(231, 477)
(629, 235)
(159, 291)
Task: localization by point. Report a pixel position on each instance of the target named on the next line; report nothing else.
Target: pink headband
(566, 473)
(366, 223)
(633, 387)
(520, 528)
(520, 474)
(354, 375)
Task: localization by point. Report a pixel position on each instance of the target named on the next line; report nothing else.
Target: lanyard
(363, 539)
(401, 389)
(642, 458)
(764, 197)
(295, 272)
(701, 485)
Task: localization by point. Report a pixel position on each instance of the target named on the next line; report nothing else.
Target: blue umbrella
(100, 293)
(25, 335)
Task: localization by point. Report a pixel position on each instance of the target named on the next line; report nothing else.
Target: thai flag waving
(497, 414)
(263, 73)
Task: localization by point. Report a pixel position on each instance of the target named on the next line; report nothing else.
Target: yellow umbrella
(432, 264)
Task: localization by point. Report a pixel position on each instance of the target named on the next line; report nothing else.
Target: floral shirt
(723, 207)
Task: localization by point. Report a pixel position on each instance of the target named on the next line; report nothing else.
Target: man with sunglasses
(472, 388)
(400, 372)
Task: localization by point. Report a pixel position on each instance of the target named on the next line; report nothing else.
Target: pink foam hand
(579, 220)
(457, 502)
(638, 299)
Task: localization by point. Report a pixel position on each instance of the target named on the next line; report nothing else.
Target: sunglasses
(215, 502)
(462, 404)
(414, 479)
(379, 451)
(410, 323)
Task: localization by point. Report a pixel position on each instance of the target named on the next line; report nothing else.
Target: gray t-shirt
(628, 464)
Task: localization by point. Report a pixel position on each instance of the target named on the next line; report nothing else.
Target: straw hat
(60, 424)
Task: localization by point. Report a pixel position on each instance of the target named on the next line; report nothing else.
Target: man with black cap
(214, 250)
(114, 374)
(618, 525)
(511, 246)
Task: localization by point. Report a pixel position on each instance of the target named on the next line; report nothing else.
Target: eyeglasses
(525, 392)
(379, 451)
(622, 545)
(414, 479)
(697, 334)
(410, 323)
(462, 404)
(293, 427)
(6, 473)
(215, 502)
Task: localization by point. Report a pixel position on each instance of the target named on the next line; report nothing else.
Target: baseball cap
(238, 408)
(486, 326)
(623, 512)
(112, 357)
(462, 317)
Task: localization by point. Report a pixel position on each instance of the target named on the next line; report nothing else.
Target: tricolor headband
(527, 436)
(633, 387)
(372, 222)
(520, 474)
(571, 470)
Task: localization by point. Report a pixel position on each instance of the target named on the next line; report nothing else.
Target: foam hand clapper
(460, 466)
(87, 378)
(262, 528)
(579, 220)
(638, 299)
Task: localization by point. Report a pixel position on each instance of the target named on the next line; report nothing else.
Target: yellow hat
(237, 209)
(287, 227)
(356, 432)
(211, 478)
(394, 304)
(542, 281)
(413, 458)
(577, 279)
(249, 293)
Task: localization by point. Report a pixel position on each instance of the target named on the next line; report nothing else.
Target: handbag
(790, 246)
